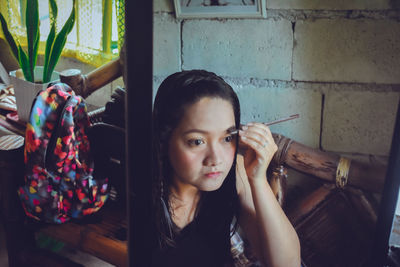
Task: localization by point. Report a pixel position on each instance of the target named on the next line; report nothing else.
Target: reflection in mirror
(334, 64)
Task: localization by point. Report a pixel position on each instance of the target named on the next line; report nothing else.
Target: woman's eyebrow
(194, 131)
(229, 130)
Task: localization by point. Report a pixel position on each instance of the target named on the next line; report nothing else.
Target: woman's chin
(210, 186)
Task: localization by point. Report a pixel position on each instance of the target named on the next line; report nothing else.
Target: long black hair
(218, 207)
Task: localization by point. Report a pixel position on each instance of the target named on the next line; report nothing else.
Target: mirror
(333, 63)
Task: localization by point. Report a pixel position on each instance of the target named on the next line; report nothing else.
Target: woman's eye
(195, 142)
(228, 138)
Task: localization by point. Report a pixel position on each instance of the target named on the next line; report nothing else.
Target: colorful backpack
(58, 183)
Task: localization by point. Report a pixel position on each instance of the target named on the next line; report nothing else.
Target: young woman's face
(201, 148)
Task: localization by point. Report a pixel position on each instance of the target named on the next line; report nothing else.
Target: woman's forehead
(208, 114)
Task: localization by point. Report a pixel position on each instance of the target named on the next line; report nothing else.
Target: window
(96, 36)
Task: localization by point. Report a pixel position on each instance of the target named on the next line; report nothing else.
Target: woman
(201, 183)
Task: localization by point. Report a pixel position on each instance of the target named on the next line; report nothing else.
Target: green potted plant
(36, 77)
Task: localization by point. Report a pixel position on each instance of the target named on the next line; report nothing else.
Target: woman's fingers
(253, 136)
(260, 148)
(259, 138)
(256, 147)
(262, 129)
(258, 133)
(256, 141)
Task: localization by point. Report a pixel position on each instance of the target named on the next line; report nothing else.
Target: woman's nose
(213, 157)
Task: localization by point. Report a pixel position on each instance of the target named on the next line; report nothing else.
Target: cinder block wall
(336, 63)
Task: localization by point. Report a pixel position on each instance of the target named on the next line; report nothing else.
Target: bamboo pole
(85, 85)
(323, 165)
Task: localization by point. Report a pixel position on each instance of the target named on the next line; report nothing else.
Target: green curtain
(120, 8)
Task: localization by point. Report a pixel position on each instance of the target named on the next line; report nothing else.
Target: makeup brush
(291, 117)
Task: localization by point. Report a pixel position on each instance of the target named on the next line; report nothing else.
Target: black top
(194, 247)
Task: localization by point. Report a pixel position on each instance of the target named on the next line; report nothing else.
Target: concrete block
(117, 83)
(342, 50)
(330, 5)
(239, 48)
(267, 104)
(166, 45)
(163, 6)
(100, 97)
(359, 122)
(156, 84)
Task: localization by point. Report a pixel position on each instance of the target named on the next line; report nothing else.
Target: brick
(267, 104)
(343, 50)
(239, 48)
(330, 5)
(118, 83)
(100, 97)
(166, 42)
(359, 122)
(163, 6)
(156, 85)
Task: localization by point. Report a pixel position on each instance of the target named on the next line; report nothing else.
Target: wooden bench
(103, 236)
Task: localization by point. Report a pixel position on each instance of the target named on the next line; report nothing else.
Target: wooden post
(72, 77)
(324, 164)
(85, 85)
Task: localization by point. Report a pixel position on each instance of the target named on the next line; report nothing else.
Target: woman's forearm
(278, 239)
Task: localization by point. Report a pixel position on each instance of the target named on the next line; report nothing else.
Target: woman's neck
(184, 192)
(184, 200)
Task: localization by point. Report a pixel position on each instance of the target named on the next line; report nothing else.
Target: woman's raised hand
(258, 148)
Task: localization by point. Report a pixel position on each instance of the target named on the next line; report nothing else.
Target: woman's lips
(213, 174)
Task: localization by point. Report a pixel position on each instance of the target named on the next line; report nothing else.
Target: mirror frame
(387, 206)
(138, 72)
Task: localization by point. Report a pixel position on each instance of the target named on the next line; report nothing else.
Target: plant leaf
(32, 31)
(24, 64)
(54, 10)
(59, 43)
(49, 45)
(35, 49)
(50, 37)
(9, 38)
